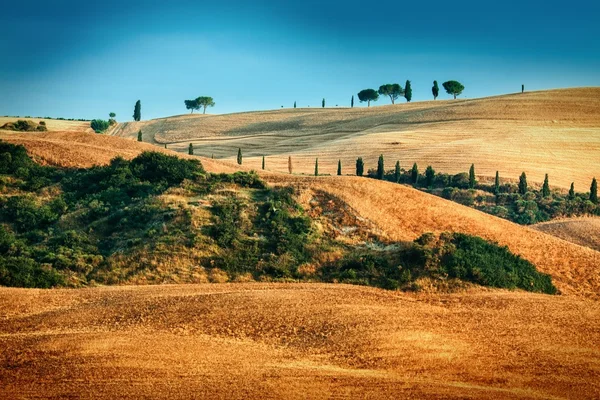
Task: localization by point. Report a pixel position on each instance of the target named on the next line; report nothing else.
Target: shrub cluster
(92, 214)
(99, 125)
(25, 126)
(451, 255)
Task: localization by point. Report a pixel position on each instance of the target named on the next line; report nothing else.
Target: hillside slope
(288, 341)
(396, 212)
(582, 231)
(54, 125)
(555, 132)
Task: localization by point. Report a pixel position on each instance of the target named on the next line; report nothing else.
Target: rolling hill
(555, 132)
(314, 340)
(396, 212)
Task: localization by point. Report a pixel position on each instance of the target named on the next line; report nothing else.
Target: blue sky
(78, 59)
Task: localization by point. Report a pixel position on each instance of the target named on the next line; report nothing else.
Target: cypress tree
(323, 103)
(397, 172)
(290, 164)
(414, 173)
(352, 102)
(408, 91)
(522, 88)
(523, 183)
(317, 167)
(360, 166)
(212, 156)
(497, 183)
(435, 90)
(339, 171)
(294, 104)
(263, 163)
(239, 156)
(140, 135)
(137, 111)
(380, 168)
(191, 150)
(165, 145)
(546, 187)
(572, 191)
(594, 191)
(429, 176)
(472, 180)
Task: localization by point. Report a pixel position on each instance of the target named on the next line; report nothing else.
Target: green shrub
(158, 167)
(99, 125)
(473, 259)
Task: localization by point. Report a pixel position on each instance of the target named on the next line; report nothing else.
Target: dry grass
(313, 340)
(581, 231)
(555, 132)
(403, 213)
(235, 341)
(76, 149)
(54, 124)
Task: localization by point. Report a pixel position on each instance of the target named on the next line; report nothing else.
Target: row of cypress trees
(429, 174)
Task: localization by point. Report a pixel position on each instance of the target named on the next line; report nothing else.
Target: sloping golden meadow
(555, 132)
(259, 340)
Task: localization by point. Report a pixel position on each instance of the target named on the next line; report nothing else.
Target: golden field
(555, 132)
(313, 340)
(294, 341)
(584, 231)
(54, 124)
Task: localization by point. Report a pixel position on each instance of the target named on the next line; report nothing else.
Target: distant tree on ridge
(137, 111)
(368, 95)
(392, 90)
(435, 90)
(408, 91)
(454, 88)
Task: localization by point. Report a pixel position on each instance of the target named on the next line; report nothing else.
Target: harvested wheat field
(243, 341)
(83, 150)
(555, 132)
(54, 125)
(582, 231)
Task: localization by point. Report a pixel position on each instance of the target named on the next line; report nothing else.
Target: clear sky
(85, 59)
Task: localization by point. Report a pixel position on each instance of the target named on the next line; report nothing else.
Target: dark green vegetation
(137, 111)
(408, 91)
(159, 218)
(368, 95)
(519, 203)
(25, 126)
(449, 256)
(392, 90)
(454, 88)
(202, 101)
(435, 90)
(99, 125)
